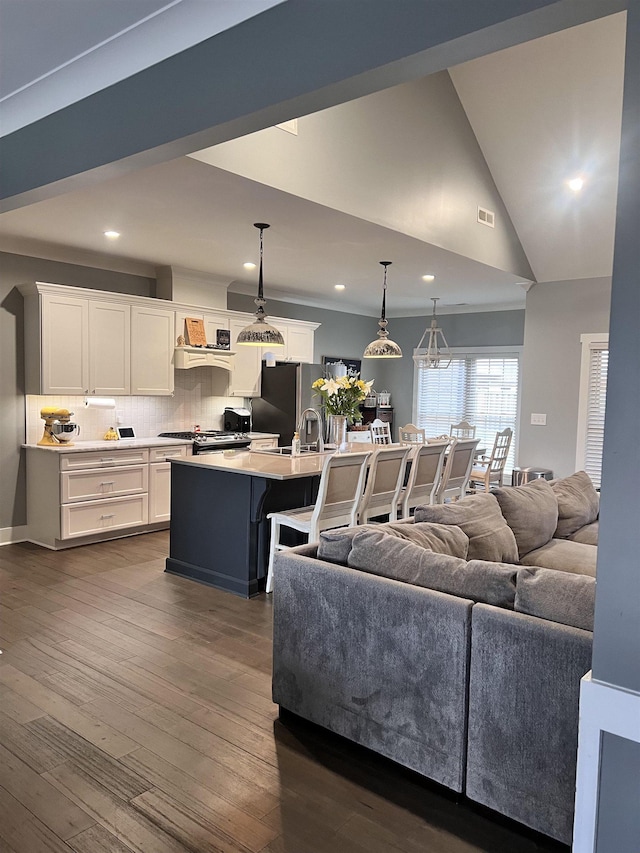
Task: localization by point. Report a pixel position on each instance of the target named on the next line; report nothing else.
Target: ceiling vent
(486, 217)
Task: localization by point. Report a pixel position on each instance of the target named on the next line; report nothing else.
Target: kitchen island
(219, 533)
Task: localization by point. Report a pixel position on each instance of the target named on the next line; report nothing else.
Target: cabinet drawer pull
(107, 483)
(108, 461)
(110, 515)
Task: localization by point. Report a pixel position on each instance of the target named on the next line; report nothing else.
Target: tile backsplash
(192, 403)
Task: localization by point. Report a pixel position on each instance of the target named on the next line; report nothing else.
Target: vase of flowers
(341, 398)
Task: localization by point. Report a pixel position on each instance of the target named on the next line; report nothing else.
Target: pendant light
(384, 347)
(436, 355)
(260, 333)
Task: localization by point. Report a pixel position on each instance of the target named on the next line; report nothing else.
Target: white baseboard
(11, 535)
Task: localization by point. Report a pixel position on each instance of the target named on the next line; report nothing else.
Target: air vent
(486, 217)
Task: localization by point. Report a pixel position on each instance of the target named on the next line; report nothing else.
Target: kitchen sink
(305, 450)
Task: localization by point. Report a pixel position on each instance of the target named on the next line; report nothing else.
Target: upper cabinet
(151, 350)
(84, 342)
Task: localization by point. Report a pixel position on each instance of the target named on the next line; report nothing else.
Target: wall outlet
(538, 420)
(119, 416)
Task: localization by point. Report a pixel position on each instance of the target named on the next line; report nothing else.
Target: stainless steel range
(210, 440)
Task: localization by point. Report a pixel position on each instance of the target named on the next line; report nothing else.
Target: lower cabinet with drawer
(79, 497)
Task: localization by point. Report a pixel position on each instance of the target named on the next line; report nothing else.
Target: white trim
(13, 535)
(603, 708)
(587, 343)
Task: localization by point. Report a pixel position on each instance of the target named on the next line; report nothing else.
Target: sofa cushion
(335, 545)
(479, 516)
(578, 503)
(380, 554)
(564, 556)
(531, 511)
(587, 534)
(558, 596)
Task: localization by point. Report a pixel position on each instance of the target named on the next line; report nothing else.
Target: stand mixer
(58, 428)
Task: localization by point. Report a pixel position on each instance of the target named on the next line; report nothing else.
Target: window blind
(596, 399)
(481, 389)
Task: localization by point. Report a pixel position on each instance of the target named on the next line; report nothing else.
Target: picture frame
(353, 365)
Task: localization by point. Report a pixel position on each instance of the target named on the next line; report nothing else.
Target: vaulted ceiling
(398, 174)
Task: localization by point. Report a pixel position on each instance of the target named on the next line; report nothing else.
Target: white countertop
(121, 444)
(259, 464)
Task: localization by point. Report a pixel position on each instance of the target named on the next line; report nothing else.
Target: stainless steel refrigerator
(286, 393)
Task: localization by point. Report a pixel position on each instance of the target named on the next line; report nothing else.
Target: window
(479, 386)
(593, 393)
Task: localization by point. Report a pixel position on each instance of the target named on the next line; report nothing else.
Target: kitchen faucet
(302, 428)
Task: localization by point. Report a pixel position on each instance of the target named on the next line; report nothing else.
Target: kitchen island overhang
(219, 532)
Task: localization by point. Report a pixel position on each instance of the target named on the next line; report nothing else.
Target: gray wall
(557, 314)
(15, 270)
(489, 328)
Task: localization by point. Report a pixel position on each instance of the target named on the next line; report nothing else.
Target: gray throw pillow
(479, 516)
(531, 511)
(557, 596)
(380, 554)
(578, 503)
(335, 545)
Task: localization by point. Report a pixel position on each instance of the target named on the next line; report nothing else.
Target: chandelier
(383, 347)
(436, 354)
(260, 333)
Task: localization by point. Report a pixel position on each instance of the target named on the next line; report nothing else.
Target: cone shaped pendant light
(384, 347)
(260, 333)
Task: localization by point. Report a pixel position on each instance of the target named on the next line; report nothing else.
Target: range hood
(186, 357)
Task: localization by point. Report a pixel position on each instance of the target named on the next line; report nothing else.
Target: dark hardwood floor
(135, 715)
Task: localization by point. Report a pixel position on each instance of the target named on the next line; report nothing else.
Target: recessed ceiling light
(112, 235)
(249, 265)
(575, 184)
(428, 277)
(339, 286)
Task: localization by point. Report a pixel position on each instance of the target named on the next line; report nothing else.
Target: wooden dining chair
(411, 434)
(427, 462)
(384, 483)
(380, 432)
(457, 469)
(339, 494)
(490, 469)
(462, 430)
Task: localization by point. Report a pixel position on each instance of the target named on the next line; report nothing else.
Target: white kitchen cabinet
(75, 497)
(160, 480)
(299, 343)
(58, 355)
(109, 348)
(151, 350)
(245, 379)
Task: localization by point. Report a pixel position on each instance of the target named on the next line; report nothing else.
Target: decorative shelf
(187, 357)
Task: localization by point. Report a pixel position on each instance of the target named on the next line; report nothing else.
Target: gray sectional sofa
(435, 643)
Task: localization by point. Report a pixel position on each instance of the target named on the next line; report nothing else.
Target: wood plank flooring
(136, 715)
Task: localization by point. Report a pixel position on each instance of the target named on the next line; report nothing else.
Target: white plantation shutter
(593, 427)
(479, 388)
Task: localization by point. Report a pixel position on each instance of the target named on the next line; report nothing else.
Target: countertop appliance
(237, 420)
(210, 440)
(286, 393)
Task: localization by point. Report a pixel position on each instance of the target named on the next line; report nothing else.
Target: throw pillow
(578, 503)
(557, 596)
(479, 516)
(381, 554)
(531, 511)
(334, 545)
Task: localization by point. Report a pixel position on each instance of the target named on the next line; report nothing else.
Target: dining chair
(462, 430)
(411, 434)
(427, 462)
(384, 483)
(339, 494)
(380, 432)
(457, 469)
(490, 470)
